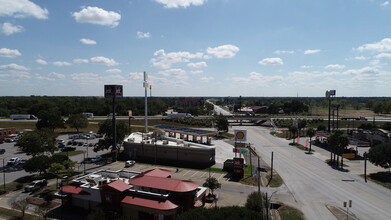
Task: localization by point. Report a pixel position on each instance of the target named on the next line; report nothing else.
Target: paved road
(313, 184)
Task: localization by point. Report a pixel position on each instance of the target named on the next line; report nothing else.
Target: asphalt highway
(312, 184)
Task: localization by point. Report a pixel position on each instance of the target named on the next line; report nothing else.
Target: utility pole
(3, 176)
(146, 101)
(259, 176)
(251, 164)
(271, 172)
(365, 166)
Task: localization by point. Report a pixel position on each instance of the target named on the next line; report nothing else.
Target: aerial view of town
(195, 109)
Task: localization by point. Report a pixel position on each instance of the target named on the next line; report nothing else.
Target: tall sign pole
(145, 84)
(113, 91)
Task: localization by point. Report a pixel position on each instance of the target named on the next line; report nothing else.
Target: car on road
(22, 162)
(96, 159)
(13, 161)
(68, 148)
(35, 185)
(2, 151)
(129, 163)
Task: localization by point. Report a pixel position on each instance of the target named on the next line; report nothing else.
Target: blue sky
(195, 47)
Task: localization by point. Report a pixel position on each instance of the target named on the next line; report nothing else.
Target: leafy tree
(367, 126)
(339, 141)
(37, 142)
(21, 205)
(310, 133)
(42, 210)
(37, 164)
(106, 128)
(302, 124)
(50, 119)
(321, 128)
(387, 126)
(221, 123)
(55, 168)
(212, 184)
(380, 155)
(59, 158)
(77, 121)
(254, 202)
(293, 132)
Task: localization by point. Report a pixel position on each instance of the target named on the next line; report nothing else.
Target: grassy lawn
(13, 214)
(301, 147)
(276, 180)
(290, 213)
(71, 153)
(381, 178)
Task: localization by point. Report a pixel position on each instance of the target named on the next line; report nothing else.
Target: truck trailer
(23, 117)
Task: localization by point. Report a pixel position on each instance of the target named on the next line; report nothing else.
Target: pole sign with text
(240, 135)
(113, 91)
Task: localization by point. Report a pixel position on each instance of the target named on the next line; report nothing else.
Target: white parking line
(220, 176)
(186, 173)
(203, 174)
(194, 174)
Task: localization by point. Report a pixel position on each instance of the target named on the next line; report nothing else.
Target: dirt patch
(38, 202)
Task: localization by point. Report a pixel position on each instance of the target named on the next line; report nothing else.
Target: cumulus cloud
(381, 46)
(41, 61)
(284, 52)
(360, 58)
(174, 73)
(385, 3)
(196, 72)
(113, 71)
(95, 15)
(8, 28)
(164, 61)
(22, 9)
(271, 61)
(206, 79)
(9, 53)
(311, 51)
(384, 56)
(334, 66)
(141, 35)
(104, 61)
(136, 76)
(13, 66)
(61, 63)
(197, 65)
(54, 76)
(80, 60)
(180, 3)
(87, 41)
(224, 51)
(84, 77)
(305, 66)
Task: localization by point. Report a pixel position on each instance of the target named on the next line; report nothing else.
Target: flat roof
(191, 131)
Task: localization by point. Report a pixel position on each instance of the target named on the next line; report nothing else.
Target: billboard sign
(332, 92)
(113, 91)
(240, 135)
(130, 113)
(238, 162)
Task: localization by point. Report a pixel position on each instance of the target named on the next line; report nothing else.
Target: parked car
(61, 145)
(129, 163)
(80, 144)
(22, 162)
(96, 159)
(2, 151)
(68, 148)
(35, 184)
(13, 161)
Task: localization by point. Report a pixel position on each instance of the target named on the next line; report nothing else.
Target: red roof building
(158, 172)
(168, 184)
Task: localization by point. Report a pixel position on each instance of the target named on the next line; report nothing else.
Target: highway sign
(240, 145)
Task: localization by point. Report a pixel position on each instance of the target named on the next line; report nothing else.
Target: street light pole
(84, 162)
(3, 176)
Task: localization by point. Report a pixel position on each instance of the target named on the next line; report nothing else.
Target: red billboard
(113, 91)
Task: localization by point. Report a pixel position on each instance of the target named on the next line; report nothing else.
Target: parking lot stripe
(186, 173)
(220, 176)
(194, 174)
(203, 174)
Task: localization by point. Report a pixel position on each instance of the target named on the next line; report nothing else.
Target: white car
(129, 163)
(13, 161)
(96, 159)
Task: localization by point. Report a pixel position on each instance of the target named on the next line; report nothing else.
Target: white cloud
(334, 66)
(9, 53)
(95, 15)
(41, 61)
(206, 79)
(381, 46)
(360, 58)
(61, 63)
(141, 35)
(87, 41)
(22, 9)
(8, 28)
(196, 72)
(224, 51)
(384, 56)
(80, 60)
(136, 76)
(13, 66)
(311, 51)
(197, 65)
(271, 61)
(175, 73)
(180, 3)
(54, 76)
(306, 67)
(113, 71)
(164, 61)
(84, 77)
(104, 61)
(284, 52)
(385, 3)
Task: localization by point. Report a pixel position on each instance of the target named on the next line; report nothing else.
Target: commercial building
(7, 133)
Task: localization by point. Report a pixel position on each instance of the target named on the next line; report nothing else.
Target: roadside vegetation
(290, 213)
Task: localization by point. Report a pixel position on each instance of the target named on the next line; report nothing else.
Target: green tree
(37, 164)
(50, 119)
(212, 184)
(387, 126)
(21, 205)
(55, 169)
(37, 142)
(380, 155)
(338, 140)
(221, 123)
(321, 128)
(293, 132)
(256, 202)
(77, 121)
(302, 124)
(310, 133)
